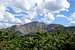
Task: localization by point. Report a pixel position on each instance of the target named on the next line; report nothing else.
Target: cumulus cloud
(52, 5)
(24, 11)
(72, 22)
(72, 16)
(63, 16)
(72, 19)
(57, 5)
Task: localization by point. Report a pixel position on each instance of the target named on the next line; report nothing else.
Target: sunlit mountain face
(20, 12)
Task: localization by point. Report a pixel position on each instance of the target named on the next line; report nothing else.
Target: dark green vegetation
(57, 40)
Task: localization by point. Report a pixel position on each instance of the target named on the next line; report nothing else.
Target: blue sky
(13, 12)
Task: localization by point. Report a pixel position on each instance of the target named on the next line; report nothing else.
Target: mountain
(29, 28)
(32, 27)
(54, 27)
(70, 29)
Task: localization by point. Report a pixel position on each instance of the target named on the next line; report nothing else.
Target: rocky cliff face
(29, 28)
(38, 27)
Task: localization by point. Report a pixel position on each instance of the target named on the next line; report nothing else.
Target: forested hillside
(57, 40)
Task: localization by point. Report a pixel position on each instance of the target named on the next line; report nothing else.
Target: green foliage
(58, 40)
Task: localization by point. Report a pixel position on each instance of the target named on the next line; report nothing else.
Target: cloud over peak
(24, 11)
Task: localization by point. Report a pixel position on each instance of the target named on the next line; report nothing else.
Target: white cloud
(72, 19)
(63, 16)
(72, 16)
(72, 22)
(60, 15)
(51, 5)
(57, 5)
(27, 20)
(49, 16)
(33, 8)
(5, 25)
(1, 15)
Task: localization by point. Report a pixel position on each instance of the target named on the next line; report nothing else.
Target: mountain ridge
(38, 27)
